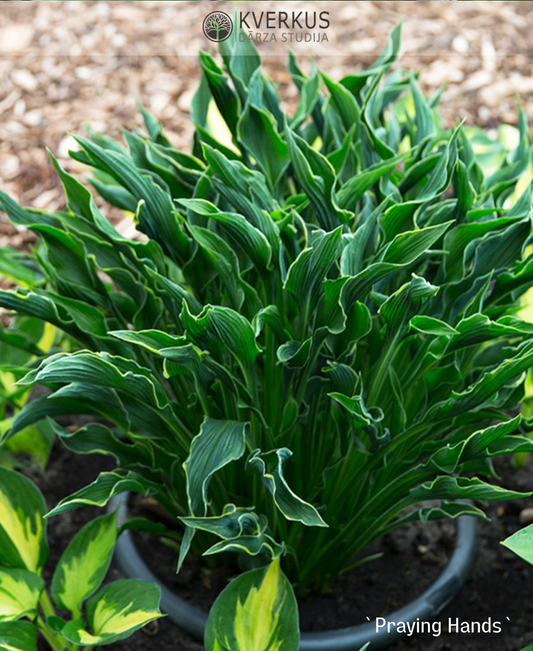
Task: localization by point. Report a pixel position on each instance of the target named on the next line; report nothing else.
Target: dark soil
(499, 588)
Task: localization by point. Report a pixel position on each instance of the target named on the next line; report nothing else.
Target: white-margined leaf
(317, 176)
(226, 327)
(269, 466)
(234, 522)
(106, 486)
(258, 133)
(249, 238)
(307, 272)
(431, 326)
(454, 488)
(217, 444)
(262, 544)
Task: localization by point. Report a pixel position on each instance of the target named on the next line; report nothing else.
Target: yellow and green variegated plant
(317, 332)
(99, 615)
(521, 543)
(257, 611)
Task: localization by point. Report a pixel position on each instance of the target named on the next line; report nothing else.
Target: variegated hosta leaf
(249, 238)
(103, 488)
(258, 133)
(228, 328)
(226, 100)
(521, 543)
(19, 593)
(247, 192)
(84, 563)
(400, 305)
(365, 419)
(241, 531)
(453, 488)
(479, 328)
(120, 389)
(219, 647)
(217, 444)
(157, 219)
(261, 544)
(307, 272)
(484, 443)
(221, 259)
(432, 326)
(408, 246)
(22, 508)
(354, 189)
(444, 510)
(95, 438)
(18, 636)
(317, 176)
(180, 356)
(342, 102)
(486, 387)
(115, 612)
(234, 521)
(152, 340)
(102, 370)
(402, 251)
(269, 465)
(256, 612)
(294, 354)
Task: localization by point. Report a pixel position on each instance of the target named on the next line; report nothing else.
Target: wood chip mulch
(64, 65)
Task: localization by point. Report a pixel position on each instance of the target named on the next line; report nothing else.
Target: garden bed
(480, 49)
(344, 313)
(499, 587)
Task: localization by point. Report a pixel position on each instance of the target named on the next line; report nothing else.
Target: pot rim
(425, 608)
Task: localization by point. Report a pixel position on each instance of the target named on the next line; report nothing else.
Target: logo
(217, 26)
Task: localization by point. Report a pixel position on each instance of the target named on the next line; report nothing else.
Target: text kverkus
(284, 19)
(455, 625)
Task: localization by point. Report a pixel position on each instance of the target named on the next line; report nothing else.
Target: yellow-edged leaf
(18, 636)
(22, 508)
(256, 612)
(19, 593)
(84, 563)
(115, 612)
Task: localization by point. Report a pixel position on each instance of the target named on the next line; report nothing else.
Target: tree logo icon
(217, 26)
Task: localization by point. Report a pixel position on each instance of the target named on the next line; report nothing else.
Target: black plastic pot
(425, 608)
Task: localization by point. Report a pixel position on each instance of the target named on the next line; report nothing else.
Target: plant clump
(318, 334)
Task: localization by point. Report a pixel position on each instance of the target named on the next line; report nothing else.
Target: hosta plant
(316, 340)
(257, 610)
(97, 615)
